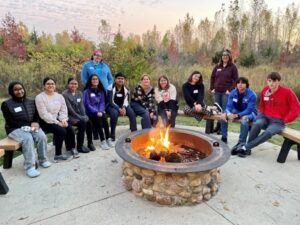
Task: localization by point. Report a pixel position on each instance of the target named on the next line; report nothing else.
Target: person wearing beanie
(97, 66)
(22, 125)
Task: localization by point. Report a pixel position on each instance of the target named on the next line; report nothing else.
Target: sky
(134, 16)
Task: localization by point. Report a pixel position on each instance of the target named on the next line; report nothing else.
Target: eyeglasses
(98, 55)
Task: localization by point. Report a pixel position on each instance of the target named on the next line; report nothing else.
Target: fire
(158, 142)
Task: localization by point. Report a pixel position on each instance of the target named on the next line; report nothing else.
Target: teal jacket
(101, 70)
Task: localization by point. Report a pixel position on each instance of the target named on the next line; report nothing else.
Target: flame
(158, 141)
(164, 138)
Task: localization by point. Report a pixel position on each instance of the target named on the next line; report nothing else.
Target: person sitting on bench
(278, 105)
(21, 124)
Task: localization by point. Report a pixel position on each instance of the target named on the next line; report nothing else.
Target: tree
(291, 21)
(11, 37)
(233, 24)
(104, 32)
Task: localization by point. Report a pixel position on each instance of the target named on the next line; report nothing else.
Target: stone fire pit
(172, 183)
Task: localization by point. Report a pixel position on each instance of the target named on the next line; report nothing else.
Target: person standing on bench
(278, 105)
(21, 124)
(241, 106)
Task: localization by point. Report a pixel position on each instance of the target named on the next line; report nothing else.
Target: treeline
(258, 38)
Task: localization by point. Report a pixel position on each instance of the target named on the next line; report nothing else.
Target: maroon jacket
(223, 78)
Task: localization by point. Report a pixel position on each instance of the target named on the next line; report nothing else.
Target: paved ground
(88, 190)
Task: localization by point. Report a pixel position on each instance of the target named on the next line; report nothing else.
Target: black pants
(61, 134)
(81, 127)
(100, 123)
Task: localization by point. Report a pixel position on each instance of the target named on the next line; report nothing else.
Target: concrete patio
(88, 190)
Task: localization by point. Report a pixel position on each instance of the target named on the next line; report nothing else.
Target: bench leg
(3, 186)
(8, 158)
(209, 126)
(284, 151)
(298, 150)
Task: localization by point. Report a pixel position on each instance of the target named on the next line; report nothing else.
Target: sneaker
(104, 145)
(59, 158)
(91, 147)
(83, 149)
(243, 152)
(235, 149)
(75, 153)
(111, 143)
(32, 172)
(219, 108)
(207, 110)
(45, 164)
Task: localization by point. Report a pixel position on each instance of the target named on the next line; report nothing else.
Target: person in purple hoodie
(94, 102)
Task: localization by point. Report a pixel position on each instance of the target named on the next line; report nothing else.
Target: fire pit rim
(218, 157)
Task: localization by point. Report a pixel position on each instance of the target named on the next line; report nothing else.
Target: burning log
(154, 156)
(173, 157)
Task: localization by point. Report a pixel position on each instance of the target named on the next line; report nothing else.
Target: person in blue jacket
(241, 106)
(97, 66)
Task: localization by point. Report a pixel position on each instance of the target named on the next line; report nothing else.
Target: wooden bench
(291, 136)
(9, 146)
(3, 186)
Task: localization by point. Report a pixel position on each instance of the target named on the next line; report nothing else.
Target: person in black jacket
(21, 124)
(167, 109)
(193, 93)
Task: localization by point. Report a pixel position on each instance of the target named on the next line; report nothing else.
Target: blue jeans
(27, 140)
(244, 126)
(271, 125)
(221, 99)
(114, 115)
(142, 112)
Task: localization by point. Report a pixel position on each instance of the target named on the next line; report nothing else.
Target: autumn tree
(11, 37)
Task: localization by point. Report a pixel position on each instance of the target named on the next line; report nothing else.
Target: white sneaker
(111, 143)
(104, 145)
(32, 172)
(45, 164)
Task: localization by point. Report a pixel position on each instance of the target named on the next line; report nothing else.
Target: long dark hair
(193, 73)
(89, 83)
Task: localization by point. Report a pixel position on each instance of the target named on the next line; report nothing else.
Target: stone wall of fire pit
(171, 188)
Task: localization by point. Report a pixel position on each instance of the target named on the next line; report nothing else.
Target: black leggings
(100, 123)
(60, 134)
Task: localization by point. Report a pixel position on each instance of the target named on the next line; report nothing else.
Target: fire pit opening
(170, 146)
(171, 166)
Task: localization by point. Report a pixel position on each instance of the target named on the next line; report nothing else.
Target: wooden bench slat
(9, 144)
(291, 134)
